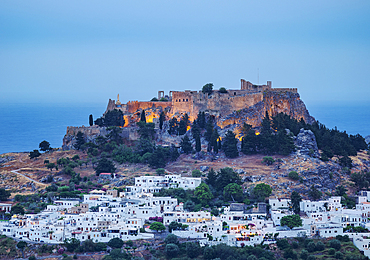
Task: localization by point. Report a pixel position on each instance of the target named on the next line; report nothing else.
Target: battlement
(294, 90)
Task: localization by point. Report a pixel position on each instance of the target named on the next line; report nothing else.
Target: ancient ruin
(220, 105)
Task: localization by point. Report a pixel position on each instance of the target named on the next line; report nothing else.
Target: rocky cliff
(274, 102)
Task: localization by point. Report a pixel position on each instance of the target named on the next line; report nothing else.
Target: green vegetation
(157, 226)
(207, 88)
(261, 191)
(291, 221)
(45, 146)
(293, 175)
(4, 194)
(34, 154)
(186, 145)
(295, 199)
(229, 145)
(111, 118)
(222, 90)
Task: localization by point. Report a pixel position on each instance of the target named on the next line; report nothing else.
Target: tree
(162, 118)
(291, 221)
(198, 145)
(174, 225)
(314, 193)
(304, 254)
(160, 171)
(295, 199)
(34, 154)
(233, 192)
(91, 120)
(340, 190)
(111, 118)
(171, 238)
(189, 205)
(51, 166)
(196, 173)
(345, 161)
(268, 160)
(21, 245)
(186, 145)
(105, 165)
(335, 244)
(172, 250)
(293, 175)
(4, 194)
(117, 254)
(80, 140)
(142, 116)
(229, 145)
(157, 226)
(207, 88)
(183, 125)
(114, 134)
(173, 126)
(44, 146)
(261, 191)
(17, 209)
(146, 130)
(203, 193)
(225, 176)
(211, 177)
(222, 90)
(71, 244)
(192, 249)
(115, 242)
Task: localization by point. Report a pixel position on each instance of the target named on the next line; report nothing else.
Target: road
(28, 178)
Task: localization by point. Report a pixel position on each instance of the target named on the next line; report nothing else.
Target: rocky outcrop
(274, 102)
(306, 143)
(92, 132)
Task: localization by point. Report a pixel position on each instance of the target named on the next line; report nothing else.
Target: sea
(23, 126)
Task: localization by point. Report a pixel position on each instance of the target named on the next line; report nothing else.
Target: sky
(89, 51)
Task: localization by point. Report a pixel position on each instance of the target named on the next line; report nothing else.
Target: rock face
(306, 143)
(91, 133)
(274, 102)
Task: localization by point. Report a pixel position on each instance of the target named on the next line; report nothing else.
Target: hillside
(250, 168)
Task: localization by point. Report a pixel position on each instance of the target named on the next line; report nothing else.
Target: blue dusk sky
(89, 51)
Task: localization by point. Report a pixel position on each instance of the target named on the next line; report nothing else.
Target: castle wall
(217, 104)
(294, 90)
(133, 106)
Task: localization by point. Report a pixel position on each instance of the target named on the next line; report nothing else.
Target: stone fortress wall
(191, 102)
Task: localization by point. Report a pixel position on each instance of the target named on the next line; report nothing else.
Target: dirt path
(28, 178)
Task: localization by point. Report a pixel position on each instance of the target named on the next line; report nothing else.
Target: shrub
(338, 255)
(171, 239)
(320, 246)
(335, 244)
(293, 175)
(311, 247)
(268, 160)
(172, 250)
(196, 173)
(282, 244)
(222, 90)
(331, 251)
(311, 257)
(304, 254)
(115, 243)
